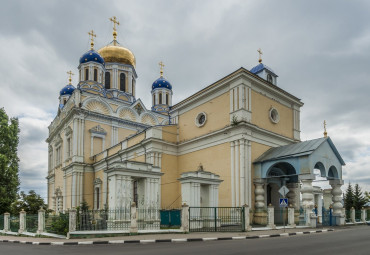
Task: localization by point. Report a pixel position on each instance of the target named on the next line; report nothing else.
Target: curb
(169, 240)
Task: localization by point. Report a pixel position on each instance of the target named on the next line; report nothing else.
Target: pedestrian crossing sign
(283, 202)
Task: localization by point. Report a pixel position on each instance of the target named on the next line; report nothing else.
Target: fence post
(291, 222)
(353, 215)
(22, 221)
(133, 227)
(6, 222)
(185, 218)
(72, 220)
(270, 217)
(363, 215)
(41, 221)
(247, 223)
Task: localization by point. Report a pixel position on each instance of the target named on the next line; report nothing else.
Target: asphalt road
(354, 240)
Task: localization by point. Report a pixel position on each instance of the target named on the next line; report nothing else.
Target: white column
(242, 172)
(237, 190)
(75, 136)
(337, 196)
(129, 82)
(73, 190)
(307, 194)
(240, 97)
(64, 192)
(248, 181)
(270, 217)
(232, 144)
(235, 99)
(259, 193)
(249, 99)
(293, 187)
(231, 92)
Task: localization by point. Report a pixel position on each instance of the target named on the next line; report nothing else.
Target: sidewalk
(165, 237)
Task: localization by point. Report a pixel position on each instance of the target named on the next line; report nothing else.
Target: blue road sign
(283, 202)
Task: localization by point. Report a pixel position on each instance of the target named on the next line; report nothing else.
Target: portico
(293, 166)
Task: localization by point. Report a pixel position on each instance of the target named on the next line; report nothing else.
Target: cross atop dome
(161, 66)
(92, 35)
(70, 77)
(115, 21)
(260, 53)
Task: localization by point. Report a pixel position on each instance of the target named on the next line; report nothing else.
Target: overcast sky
(319, 49)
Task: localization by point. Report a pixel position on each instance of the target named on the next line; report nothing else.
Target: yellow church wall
(169, 134)
(124, 133)
(217, 111)
(136, 139)
(114, 149)
(88, 189)
(170, 187)
(261, 106)
(257, 150)
(215, 159)
(58, 179)
(138, 158)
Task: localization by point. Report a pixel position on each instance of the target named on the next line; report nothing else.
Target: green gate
(216, 219)
(170, 218)
(327, 217)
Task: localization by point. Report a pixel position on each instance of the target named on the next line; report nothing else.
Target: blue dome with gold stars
(161, 83)
(91, 55)
(67, 90)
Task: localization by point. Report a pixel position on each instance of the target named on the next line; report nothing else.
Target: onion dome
(161, 83)
(116, 53)
(67, 90)
(91, 55)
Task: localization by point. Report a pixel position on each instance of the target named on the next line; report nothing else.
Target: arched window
(153, 99)
(86, 74)
(64, 101)
(107, 80)
(166, 98)
(269, 78)
(122, 82)
(160, 98)
(95, 74)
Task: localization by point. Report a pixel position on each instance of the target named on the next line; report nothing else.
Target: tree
(30, 203)
(358, 198)
(348, 197)
(367, 196)
(9, 161)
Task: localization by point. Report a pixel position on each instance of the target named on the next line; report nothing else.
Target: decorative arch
(283, 169)
(321, 167)
(149, 119)
(127, 113)
(333, 173)
(95, 105)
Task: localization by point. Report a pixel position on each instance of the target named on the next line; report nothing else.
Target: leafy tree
(358, 198)
(348, 197)
(30, 202)
(9, 161)
(367, 196)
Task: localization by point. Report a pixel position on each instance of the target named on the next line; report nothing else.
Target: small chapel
(234, 142)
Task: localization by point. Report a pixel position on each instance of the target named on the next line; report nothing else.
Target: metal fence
(1, 222)
(96, 220)
(31, 223)
(148, 219)
(14, 223)
(281, 216)
(57, 224)
(368, 215)
(358, 215)
(216, 219)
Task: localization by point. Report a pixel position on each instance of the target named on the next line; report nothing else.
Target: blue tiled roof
(91, 55)
(260, 68)
(67, 90)
(161, 83)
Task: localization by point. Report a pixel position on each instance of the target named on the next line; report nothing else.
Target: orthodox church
(234, 142)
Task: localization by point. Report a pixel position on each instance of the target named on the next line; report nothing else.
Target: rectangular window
(86, 74)
(95, 74)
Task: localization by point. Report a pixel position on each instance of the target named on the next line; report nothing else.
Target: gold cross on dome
(92, 35)
(260, 53)
(161, 65)
(70, 76)
(115, 22)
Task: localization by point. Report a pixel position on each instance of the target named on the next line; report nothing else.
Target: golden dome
(114, 52)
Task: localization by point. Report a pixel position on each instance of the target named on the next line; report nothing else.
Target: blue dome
(161, 83)
(67, 90)
(260, 67)
(91, 55)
